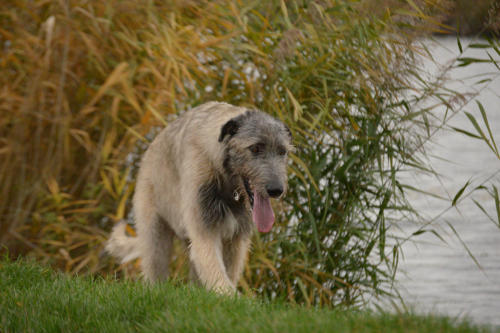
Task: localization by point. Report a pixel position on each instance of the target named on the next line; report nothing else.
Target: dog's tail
(122, 246)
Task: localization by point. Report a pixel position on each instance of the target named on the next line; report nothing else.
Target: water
(439, 277)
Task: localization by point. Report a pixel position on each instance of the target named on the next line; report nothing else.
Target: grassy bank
(36, 299)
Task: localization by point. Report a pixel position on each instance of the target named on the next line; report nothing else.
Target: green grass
(36, 299)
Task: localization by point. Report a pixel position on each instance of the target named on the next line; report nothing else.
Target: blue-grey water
(439, 277)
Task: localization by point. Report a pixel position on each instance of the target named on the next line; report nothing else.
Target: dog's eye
(257, 148)
(281, 151)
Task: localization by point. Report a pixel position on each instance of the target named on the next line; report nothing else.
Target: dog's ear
(230, 128)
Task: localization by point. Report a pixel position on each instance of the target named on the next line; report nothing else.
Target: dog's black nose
(274, 191)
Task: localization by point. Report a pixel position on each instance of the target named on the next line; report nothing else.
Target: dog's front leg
(206, 256)
(235, 253)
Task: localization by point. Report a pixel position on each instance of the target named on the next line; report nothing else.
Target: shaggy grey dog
(207, 178)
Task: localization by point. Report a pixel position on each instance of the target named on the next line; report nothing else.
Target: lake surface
(438, 277)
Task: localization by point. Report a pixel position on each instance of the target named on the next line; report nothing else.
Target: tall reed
(85, 85)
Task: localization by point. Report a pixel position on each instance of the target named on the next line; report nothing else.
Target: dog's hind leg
(155, 237)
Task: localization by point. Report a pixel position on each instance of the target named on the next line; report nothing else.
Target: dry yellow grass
(82, 82)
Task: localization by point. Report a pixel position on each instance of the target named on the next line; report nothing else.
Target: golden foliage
(82, 82)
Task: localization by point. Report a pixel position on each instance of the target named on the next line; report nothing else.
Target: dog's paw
(225, 289)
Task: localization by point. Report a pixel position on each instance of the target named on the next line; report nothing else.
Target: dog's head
(256, 150)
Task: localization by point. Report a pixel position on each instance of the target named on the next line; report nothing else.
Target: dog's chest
(229, 226)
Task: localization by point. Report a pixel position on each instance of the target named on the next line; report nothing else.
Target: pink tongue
(263, 215)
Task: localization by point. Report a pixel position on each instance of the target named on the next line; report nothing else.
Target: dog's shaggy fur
(204, 179)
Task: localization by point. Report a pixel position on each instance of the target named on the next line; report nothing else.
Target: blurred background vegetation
(473, 17)
(85, 85)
